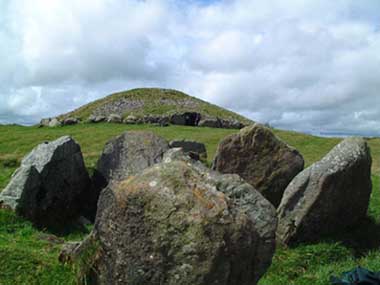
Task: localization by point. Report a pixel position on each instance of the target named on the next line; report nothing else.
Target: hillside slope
(151, 101)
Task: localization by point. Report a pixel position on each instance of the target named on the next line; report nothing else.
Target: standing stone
(177, 224)
(126, 155)
(261, 158)
(190, 147)
(50, 186)
(329, 195)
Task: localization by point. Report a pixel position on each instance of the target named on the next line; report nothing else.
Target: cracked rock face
(328, 196)
(262, 159)
(179, 223)
(50, 186)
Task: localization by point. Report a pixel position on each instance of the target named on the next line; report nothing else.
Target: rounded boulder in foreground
(179, 224)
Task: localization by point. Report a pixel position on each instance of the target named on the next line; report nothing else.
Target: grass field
(30, 256)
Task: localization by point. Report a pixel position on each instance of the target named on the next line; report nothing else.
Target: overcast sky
(296, 64)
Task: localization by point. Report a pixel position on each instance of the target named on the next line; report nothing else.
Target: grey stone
(164, 121)
(45, 122)
(261, 158)
(50, 186)
(70, 121)
(328, 196)
(210, 123)
(190, 147)
(231, 124)
(130, 120)
(55, 123)
(126, 155)
(114, 118)
(175, 223)
(96, 119)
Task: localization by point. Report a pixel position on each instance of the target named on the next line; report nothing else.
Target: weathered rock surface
(130, 120)
(70, 121)
(129, 154)
(114, 118)
(190, 147)
(50, 186)
(231, 124)
(126, 155)
(210, 122)
(45, 122)
(55, 123)
(262, 159)
(96, 119)
(179, 223)
(329, 195)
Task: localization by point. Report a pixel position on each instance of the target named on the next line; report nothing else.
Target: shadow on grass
(361, 238)
(72, 231)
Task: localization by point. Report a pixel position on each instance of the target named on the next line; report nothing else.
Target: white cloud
(298, 64)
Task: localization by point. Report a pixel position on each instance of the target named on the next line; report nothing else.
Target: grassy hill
(151, 101)
(30, 256)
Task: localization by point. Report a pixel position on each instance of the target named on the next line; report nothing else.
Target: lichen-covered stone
(176, 223)
(126, 155)
(261, 158)
(130, 153)
(328, 196)
(51, 185)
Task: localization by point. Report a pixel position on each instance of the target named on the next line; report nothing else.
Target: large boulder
(190, 147)
(126, 155)
(177, 223)
(329, 195)
(51, 185)
(261, 158)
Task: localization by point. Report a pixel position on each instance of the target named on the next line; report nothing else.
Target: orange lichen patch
(199, 194)
(127, 187)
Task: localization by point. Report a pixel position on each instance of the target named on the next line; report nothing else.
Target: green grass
(30, 256)
(158, 101)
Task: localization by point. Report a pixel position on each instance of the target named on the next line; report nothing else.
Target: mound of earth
(151, 105)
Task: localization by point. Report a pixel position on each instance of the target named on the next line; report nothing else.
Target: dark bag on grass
(357, 276)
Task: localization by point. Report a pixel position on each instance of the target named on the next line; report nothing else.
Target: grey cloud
(304, 65)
